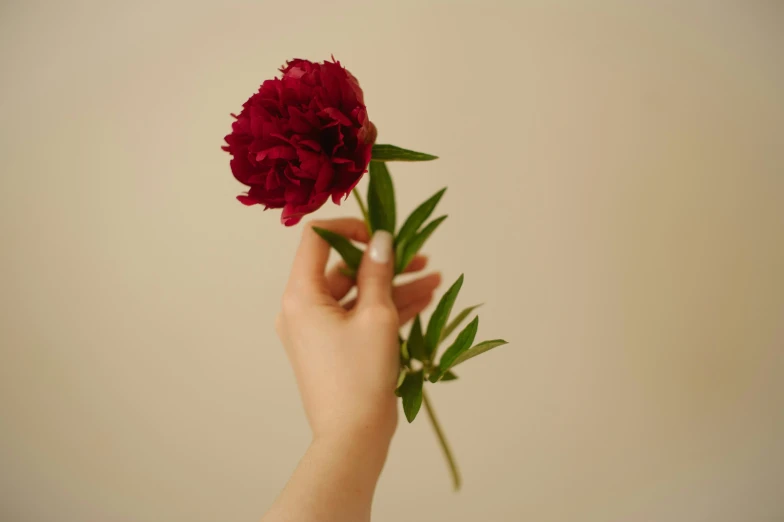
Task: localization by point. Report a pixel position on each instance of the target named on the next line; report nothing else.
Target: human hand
(346, 356)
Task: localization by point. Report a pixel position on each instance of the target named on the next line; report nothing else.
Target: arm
(335, 480)
(346, 361)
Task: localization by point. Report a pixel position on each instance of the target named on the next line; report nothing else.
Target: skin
(345, 359)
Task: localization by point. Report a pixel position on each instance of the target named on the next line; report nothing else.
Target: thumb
(374, 280)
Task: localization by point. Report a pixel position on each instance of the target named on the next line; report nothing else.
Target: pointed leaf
(449, 376)
(400, 378)
(411, 247)
(478, 349)
(350, 254)
(418, 216)
(416, 341)
(437, 321)
(404, 354)
(459, 318)
(381, 199)
(393, 153)
(461, 344)
(411, 392)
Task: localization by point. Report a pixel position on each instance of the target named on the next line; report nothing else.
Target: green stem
(442, 440)
(362, 208)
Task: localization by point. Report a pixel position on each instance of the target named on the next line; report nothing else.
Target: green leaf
(350, 254)
(418, 216)
(454, 323)
(478, 349)
(381, 199)
(392, 153)
(411, 392)
(410, 248)
(439, 317)
(404, 354)
(416, 341)
(461, 344)
(401, 376)
(448, 376)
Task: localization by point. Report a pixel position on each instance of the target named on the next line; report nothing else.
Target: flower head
(301, 139)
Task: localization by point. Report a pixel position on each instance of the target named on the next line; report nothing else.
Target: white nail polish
(380, 247)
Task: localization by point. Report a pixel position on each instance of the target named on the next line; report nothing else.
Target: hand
(346, 361)
(346, 357)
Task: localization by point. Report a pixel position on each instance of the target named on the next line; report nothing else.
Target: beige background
(616, 177)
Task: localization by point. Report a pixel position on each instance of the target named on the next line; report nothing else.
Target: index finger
(310, 261)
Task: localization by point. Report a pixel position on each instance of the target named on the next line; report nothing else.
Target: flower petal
(301, 139)
(336, 115)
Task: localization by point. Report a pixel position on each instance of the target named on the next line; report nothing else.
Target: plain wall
(616, 197)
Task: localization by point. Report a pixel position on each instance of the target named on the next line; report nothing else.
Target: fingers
(339, 284)
(411, 298)
(374, 280)
(307, 273)
(409, 312)
(417, 264)
(405, 313)
(409, 293)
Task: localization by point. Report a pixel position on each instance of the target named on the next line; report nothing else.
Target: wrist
(370, 425)
(366, 445)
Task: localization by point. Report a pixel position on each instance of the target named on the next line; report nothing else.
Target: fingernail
(380, 247)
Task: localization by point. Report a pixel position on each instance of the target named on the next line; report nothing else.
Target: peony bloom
(301, 139)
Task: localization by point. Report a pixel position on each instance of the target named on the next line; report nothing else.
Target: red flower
(301, 139)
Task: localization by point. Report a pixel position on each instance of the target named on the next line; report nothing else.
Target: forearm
(334, 481)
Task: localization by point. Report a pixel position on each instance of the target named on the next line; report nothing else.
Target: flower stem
(362, 208)
(456, 481)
